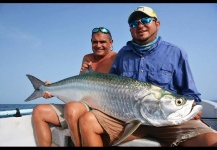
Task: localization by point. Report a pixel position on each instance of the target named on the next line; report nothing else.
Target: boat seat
(61, 137)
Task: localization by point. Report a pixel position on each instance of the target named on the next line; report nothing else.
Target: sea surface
(7, 108)
(4, 107)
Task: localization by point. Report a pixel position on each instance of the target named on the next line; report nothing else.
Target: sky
(49, 40)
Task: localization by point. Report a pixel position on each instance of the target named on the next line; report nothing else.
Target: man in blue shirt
(159, 63)
(148, 58)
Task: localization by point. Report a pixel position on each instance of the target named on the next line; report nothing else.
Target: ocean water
(8, 110)
(4, 107)
(213, 101)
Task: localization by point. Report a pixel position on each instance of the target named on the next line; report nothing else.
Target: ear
(158, 24)
(111, 42)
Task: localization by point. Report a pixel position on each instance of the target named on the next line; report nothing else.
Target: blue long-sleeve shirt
(165, 65)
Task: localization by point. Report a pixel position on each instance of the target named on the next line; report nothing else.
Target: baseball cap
(143, 9)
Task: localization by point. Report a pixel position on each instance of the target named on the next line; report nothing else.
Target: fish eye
(179, 102)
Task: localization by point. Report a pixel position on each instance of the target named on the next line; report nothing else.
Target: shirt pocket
(130, 74)
(161, 77)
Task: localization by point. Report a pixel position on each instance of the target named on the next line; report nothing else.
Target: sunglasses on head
(145, 20)
(101, 29)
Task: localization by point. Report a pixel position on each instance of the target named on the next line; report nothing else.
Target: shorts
(169, 135)
(59, 109)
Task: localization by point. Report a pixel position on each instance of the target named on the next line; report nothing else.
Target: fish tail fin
(36, 84)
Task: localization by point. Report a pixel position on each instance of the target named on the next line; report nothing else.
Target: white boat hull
(17, 131)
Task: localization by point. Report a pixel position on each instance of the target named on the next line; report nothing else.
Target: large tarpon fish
(134, 102)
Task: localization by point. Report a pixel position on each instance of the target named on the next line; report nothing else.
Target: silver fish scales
(126, 99)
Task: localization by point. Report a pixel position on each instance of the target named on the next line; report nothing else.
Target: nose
(140, 24)
(98, 44)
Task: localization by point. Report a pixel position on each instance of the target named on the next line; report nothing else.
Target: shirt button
(143, 58)
(142, 70)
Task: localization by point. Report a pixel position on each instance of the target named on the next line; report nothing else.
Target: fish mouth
(183, 117)
(182, 112)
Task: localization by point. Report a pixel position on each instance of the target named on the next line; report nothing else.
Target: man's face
(144, 33)
(101, 43)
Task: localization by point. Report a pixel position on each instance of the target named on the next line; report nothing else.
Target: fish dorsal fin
(129, 129)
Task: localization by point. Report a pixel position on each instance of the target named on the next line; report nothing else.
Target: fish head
(179, 109)
(163, 108)
(175, 107)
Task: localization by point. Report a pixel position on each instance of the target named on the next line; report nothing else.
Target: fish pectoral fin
(129, 129)
(88, 100)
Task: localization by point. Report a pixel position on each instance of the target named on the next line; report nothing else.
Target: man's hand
(47, 94)
(85, 65)
(198, 116)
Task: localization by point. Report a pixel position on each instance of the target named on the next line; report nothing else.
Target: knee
(87, 119)
(88, 123)
(210, 138)
(38, 110)
(71, 110)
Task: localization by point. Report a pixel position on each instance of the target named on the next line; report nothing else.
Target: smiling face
(101, 44)
(144, 33)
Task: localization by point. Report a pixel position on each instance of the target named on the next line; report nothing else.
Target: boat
(8, 113)
(18, 131)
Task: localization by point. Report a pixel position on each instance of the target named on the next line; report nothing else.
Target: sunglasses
(145, 20)
(101, 29)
